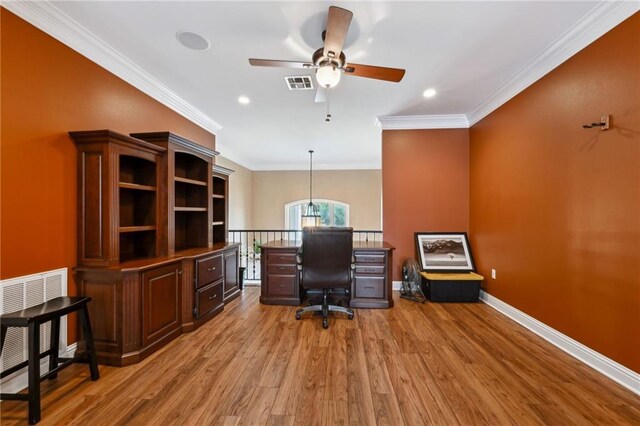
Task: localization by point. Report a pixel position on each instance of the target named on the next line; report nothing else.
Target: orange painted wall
(47, 90)
(425, 186)
(555, 208)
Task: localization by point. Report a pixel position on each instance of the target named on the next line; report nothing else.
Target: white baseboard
(252, 283)
(396, 285)
(616, 372)
(19, 380)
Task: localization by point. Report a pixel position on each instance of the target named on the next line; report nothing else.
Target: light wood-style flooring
(415, 364)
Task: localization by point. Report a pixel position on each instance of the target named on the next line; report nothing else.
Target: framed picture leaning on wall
(444, 252)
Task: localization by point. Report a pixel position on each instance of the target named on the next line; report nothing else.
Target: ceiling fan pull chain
(328, 119)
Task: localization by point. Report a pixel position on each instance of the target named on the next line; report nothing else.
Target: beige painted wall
(361, 189)
(240, 189)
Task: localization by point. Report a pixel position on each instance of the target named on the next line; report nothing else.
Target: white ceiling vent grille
(299, 82)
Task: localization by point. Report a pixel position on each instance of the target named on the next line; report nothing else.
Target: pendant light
(311, 217)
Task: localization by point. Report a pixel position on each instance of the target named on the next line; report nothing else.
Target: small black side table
(31, 318)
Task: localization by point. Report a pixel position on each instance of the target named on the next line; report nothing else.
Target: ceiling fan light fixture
(328, 75)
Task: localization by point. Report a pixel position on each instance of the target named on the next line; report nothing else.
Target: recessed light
(429, 93)
(192, 40)
(244, 100)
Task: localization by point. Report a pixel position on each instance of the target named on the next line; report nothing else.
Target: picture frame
(444, 252)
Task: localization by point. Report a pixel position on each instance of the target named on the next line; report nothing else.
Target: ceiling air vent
(299, 82)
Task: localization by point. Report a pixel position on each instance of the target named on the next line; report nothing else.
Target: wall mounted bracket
(603, 124)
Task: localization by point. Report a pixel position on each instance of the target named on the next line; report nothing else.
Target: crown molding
(48, 18)
(407, 122)
(230, 153)
(601, 19)
(319, 166)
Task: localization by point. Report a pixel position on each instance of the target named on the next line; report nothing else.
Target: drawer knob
(281, 286)
(213, 297)
(213, 268)
(369, 287)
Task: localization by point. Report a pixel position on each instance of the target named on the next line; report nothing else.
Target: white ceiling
(465, 50)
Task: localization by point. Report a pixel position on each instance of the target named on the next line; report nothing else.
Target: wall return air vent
(299, 82)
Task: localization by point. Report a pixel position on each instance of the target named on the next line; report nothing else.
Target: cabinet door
(160, 302)
(231, 275)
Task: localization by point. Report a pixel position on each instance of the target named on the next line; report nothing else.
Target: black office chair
(326, 262)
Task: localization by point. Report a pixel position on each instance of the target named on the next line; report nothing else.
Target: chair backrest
(326, 257)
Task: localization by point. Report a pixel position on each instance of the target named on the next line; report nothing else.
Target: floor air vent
(24, 292)
(299, 82)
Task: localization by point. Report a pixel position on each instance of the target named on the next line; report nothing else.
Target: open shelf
(190, 209)
(219, 232)
(190, 195)
(219, 186)
(190, 229)
(137, 171)
(125, 229)
(190, 181)
(135, 186)
(137, 245)
(219, 205)
(191, 167)
(219, 210)
(137, 208)
(138, 204)
(192, 201)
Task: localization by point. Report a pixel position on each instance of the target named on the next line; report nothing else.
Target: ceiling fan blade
(338, 23)
(379, 73)
(280, 64)
(321, 94)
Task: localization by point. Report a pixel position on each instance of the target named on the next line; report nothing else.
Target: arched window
(332, 213)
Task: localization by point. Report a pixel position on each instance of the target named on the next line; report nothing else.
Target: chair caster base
(325, 324)
(350, 316)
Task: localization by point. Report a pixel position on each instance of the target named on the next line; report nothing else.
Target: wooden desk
(371, 287)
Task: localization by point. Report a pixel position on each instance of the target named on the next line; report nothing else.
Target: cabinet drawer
(370, 269)
(282, 269)
(369, 286)
(281, 258)
(209, 298)
(208, 270)
(370, 257)
(282, 285)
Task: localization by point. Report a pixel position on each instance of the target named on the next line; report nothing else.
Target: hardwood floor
(415, 364)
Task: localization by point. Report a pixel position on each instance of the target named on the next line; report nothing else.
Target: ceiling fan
(330, 61)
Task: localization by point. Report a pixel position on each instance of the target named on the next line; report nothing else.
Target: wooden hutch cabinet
(120, 181)
(148, 254)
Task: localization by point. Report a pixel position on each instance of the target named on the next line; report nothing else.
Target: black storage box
(453, 287)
